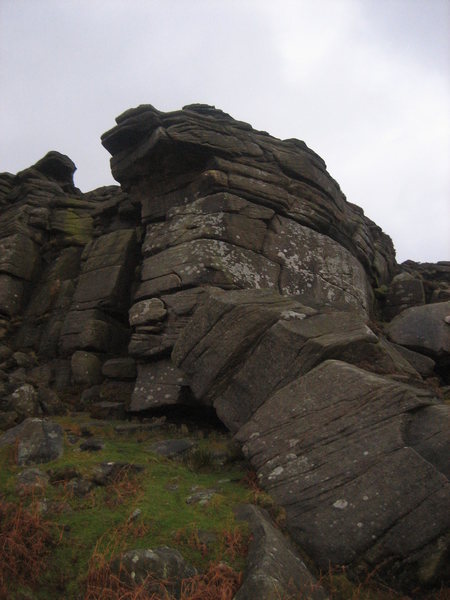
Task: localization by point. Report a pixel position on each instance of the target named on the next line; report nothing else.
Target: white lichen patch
(341, 504)
(276, 473)
(287, 315)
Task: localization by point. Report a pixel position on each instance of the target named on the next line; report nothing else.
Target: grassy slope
(102, 518)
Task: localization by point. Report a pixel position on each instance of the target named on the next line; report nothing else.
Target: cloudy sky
(365, 83)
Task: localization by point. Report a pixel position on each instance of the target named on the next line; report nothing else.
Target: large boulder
(339, 426)
(37, 441)
(242, 346)
(25, 401)
(273, 570)
(425, 329)
(158, 384)
(345, 453)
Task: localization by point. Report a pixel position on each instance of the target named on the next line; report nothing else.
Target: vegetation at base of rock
(92, 528)
(218, 582)
(26, 543)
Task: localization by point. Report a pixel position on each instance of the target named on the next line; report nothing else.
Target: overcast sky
(365, 83)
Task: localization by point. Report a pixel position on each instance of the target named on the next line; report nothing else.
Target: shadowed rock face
(229, 271)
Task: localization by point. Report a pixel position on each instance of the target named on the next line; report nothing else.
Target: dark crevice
(194, 416)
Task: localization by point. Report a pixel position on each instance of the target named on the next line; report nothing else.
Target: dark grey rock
(241, 346)
(11, 295)
(201, 497)
(117, 391)
(331, 447)
(424, 329)
(107, 410)
(405, 291)
(274, 570)
(38, 441)
(86, 368)
(92, 445)
(428, 432)
(152, 568)
(421, 363)
(158, 384)
(147, 311)
(31, 479)
(90, 396)
(80, 486)
(19, 256)
(24, 360)
(25, 401)
(57, 166)
(172, 448)
(8, 419)
(105, 473)
(50, 402)
(227, 156)
(106, 274)
(120, 368)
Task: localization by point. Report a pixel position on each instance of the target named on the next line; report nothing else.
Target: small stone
(31, 479)
(38, 441)
(92, 445)
(171, 448)
(148, 566)
(147, 311)
(80, 486)
(202, 497)
(107, 410)
(105, 473)
(135, 514)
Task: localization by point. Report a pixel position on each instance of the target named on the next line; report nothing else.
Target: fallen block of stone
(37, 440)
(274, 570)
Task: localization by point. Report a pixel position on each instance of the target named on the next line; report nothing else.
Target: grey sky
(365, 83)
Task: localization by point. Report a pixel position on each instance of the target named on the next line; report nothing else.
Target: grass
(96, 526)
(26, 544)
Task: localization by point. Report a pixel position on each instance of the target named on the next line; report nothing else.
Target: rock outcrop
(229, 271)
(338, 425)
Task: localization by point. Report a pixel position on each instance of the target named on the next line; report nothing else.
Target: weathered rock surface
(172, 448)
(274, 570)
(31, 480)
(355, 453)
(405, 291)
(423, 328)
(37, 441)
(145, 567)
(204, 149)
(435, 278)
(337, 459)
(242, 346)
